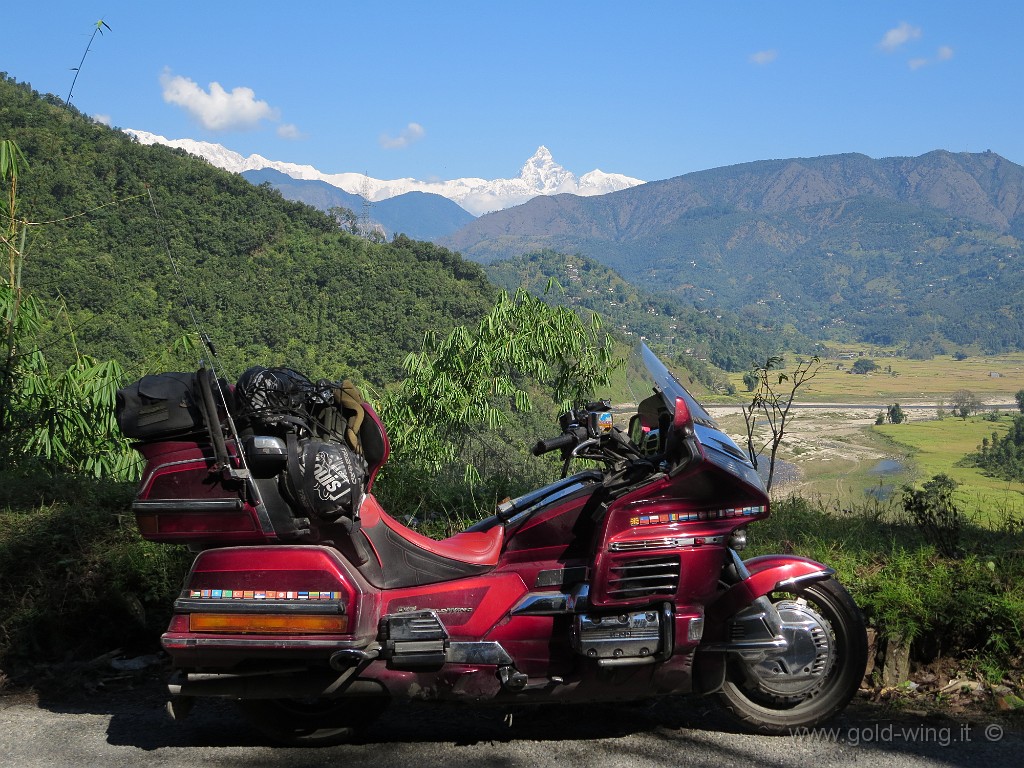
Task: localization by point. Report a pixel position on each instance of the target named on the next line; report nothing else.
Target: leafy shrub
(970, 606)
(935, 514)
(76, 579)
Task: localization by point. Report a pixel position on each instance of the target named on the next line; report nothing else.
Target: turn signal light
(268, 624)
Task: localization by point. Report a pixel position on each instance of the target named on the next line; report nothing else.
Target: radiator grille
(644, 577)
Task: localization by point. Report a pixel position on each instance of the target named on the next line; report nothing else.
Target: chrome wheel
(806, 662)
(814, 677)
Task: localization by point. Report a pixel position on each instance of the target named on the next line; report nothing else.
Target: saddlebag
(159, 406)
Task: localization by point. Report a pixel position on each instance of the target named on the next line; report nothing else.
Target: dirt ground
(828, 434)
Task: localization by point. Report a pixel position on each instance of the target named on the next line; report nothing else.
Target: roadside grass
(968, 608)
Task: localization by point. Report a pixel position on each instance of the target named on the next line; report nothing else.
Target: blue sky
(441, 90)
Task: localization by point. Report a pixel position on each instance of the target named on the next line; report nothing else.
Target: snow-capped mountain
(540, 175)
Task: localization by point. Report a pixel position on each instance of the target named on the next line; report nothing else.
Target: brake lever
(578, 450)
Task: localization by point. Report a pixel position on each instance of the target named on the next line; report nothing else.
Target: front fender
(765, 574)
(759, 576)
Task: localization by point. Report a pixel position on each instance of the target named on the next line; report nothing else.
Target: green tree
(1020, 400)
(346, 218)
(864, 365)
(964, 403)
(65, 419)
(771, 404)
(20, 316)
(935, 513)
(895, 414)
(461, 389)
(1003, 456)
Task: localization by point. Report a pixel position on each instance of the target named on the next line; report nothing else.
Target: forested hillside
(695, 335)
(271, 281)
(916, 251)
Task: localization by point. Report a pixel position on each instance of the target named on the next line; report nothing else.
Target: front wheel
(313, 722)
(815, 677)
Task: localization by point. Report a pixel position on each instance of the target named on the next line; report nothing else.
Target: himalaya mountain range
(540, 175)
(919, 251)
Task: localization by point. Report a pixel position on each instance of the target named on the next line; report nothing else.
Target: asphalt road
(130, 729)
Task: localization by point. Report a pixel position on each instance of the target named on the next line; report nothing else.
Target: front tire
(313, 722)
(771, 699)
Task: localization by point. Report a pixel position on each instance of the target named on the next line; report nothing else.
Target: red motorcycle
(314, 608)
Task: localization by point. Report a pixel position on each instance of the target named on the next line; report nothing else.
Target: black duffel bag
(159, 405)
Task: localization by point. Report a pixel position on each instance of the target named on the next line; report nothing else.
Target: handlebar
(564, 440)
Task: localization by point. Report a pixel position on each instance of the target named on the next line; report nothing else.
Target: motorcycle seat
(470, 547)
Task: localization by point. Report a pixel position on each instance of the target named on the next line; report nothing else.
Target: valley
(840, 456)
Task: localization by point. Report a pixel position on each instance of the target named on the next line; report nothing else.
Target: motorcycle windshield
(719, 448)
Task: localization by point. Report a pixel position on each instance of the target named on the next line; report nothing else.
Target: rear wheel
(815, 678)
(313, 722)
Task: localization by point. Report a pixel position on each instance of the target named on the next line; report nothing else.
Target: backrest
(374, 439)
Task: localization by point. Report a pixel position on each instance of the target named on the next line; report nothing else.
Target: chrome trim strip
(667, 542)
(230, 605)
(778, 643)
(553, 603)
(188, 505)
(542, 604)
(807, 578)
(153, 470)
(269, 643)
(627, 661)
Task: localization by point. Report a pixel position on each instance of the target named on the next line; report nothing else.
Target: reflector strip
(151, 524)
(267, 624)
(259, 594)
(685, 517)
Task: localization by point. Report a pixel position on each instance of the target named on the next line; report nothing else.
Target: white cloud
(764, 57)
(216, 109)
(945, 53)
(289, 131)
(413, 132)
(103, 120)
(898, 36)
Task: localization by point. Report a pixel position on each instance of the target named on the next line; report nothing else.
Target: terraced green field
(938, 446)
(994, 378)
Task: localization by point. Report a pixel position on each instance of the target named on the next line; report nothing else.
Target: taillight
(267, 623)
